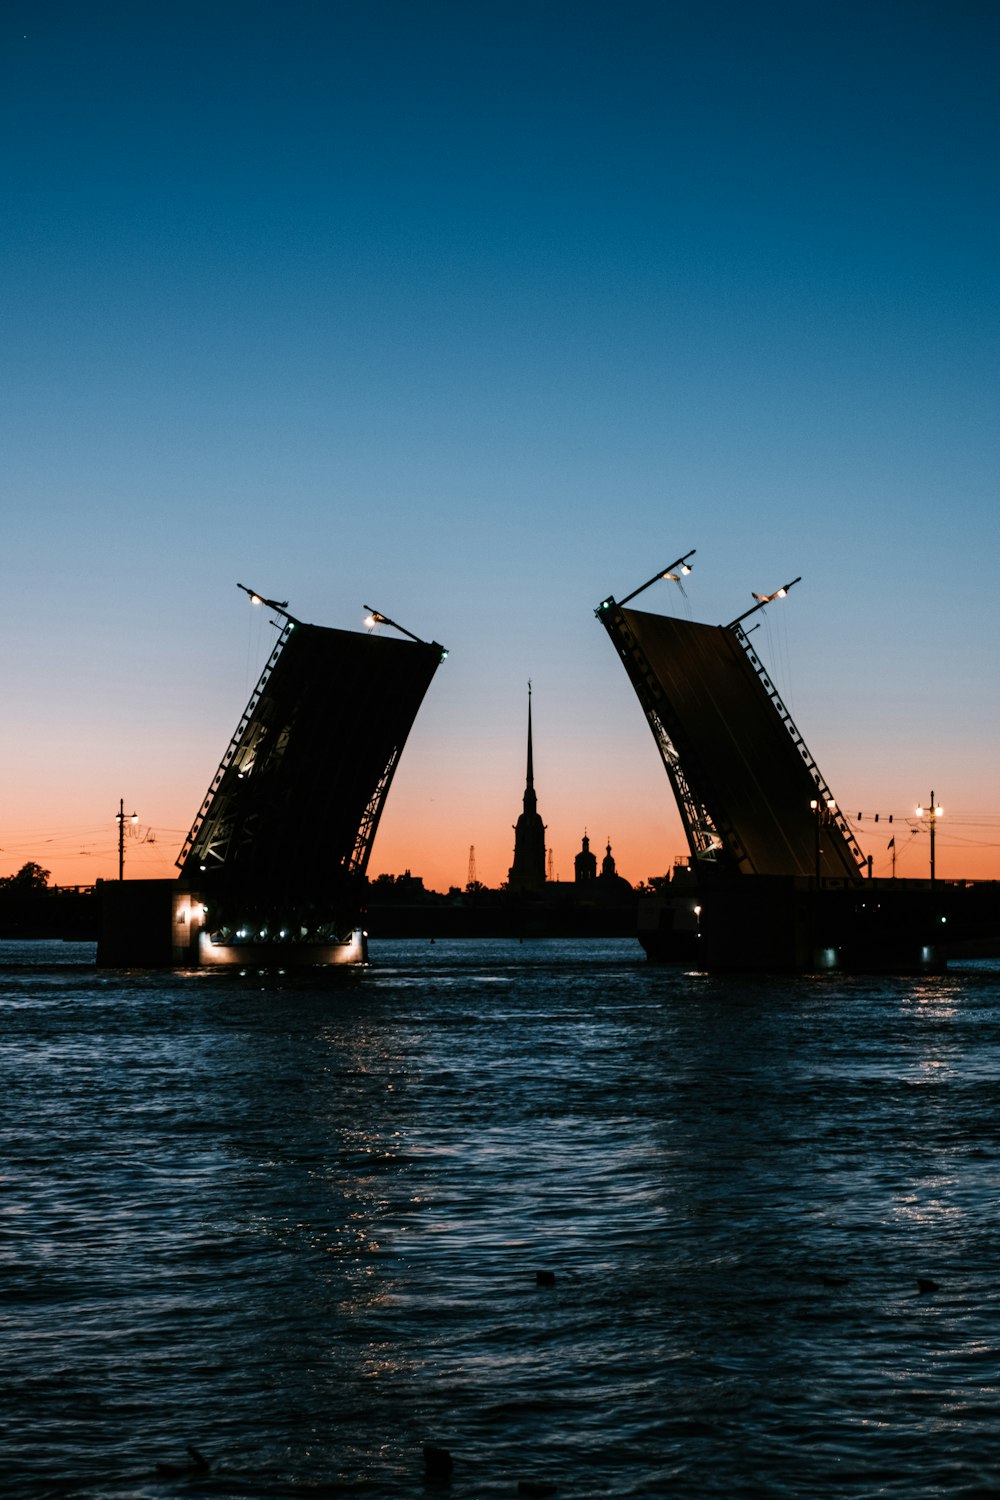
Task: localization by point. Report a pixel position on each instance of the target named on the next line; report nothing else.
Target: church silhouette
(527, 877)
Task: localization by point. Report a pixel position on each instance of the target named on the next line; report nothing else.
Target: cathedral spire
(530, 801)
(527, 873)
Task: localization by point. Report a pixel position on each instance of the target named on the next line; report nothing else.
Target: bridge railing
(822, 788)
(234, 744)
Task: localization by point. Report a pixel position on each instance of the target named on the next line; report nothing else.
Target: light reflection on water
(297, 1221)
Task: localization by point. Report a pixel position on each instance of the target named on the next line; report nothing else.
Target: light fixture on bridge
(681, 563)
(375, 617)
(763, 599)
(781, 593)
(778, 594)
(280, 605)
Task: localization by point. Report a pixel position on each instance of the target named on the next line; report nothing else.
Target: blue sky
(477, 314)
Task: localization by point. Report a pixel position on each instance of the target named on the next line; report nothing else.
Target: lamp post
(823, 811)
(933, 811)
(120, 815)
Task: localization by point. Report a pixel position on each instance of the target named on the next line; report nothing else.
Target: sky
(477, 314)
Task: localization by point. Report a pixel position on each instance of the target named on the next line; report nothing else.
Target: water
(297, 1224)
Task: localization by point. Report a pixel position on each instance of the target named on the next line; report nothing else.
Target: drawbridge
(751, 797)
(281, 842)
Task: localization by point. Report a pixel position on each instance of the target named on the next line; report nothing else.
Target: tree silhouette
(30, 877)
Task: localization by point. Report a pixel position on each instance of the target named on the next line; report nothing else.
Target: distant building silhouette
(527, 874)
(585, 864)
(612, 886)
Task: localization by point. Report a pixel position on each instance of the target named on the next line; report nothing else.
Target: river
(582, 1221)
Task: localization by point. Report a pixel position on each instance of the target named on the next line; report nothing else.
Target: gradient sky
(477, 313)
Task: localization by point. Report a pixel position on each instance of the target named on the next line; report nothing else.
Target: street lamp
(823, 811)
(120, 815)
(933, 811)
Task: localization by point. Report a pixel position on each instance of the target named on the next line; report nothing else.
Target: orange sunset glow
(459, 785)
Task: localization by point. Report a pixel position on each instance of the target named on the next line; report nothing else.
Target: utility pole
(933, 812)
(121, 836)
